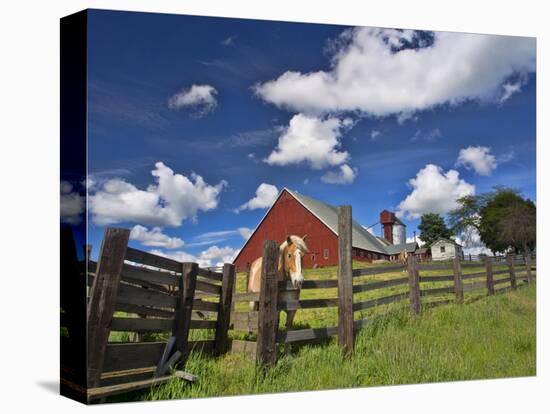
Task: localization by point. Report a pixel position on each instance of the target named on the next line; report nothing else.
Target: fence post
(414, 285)
(345, 281)
(513, 282)
(103, 294)
(528, 268)
(184, 307)
(459, 290)
(266, 345)
(490, 281)
(224, 313)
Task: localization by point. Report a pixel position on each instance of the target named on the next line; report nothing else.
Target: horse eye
(289, 256)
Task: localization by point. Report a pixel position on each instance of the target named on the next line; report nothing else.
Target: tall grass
(491, 338)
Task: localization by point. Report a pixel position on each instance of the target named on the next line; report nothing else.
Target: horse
(403, 257)
(291, 252)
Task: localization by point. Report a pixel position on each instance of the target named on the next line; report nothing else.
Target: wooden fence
(360, 291)
(144, 312)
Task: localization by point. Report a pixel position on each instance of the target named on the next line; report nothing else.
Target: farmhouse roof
(446, 240)
(328, 215)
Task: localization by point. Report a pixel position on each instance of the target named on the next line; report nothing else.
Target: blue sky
(345, 115)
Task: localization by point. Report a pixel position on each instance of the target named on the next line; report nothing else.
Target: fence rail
(160, 298)
(361, 291)
(137, 293)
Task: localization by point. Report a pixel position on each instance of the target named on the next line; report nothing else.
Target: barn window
(442, 249)
(325, 254)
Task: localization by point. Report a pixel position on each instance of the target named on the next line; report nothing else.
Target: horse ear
(288, 240)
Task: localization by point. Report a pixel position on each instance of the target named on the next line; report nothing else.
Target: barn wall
(288, 216)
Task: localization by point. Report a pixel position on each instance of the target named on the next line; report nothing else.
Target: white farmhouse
(445, 249)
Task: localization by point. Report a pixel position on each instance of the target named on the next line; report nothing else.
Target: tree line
(502, 218)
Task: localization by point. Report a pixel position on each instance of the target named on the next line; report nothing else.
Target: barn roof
(398, 248)
(328, 214)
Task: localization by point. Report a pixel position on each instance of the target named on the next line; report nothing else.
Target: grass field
(492, 337)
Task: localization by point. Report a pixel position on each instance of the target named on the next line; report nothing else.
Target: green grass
(493, 337)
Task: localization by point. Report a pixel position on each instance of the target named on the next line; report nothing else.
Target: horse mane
(298, 241)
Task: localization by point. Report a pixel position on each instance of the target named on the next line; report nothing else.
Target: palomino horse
(291, 252)
(403, 257)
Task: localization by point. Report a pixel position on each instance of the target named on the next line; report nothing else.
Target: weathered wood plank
(133, 295)
(224, 312)
(345, 281)
(208, 287)
(141, 325)
(414, 285)
(442, 266)
(149, 259)
(311, 284)
(489, 267)
(202, 305)
(103, 296)
(266, 354)
(457, 281)
(379, 301)
(248, 326)
(306, 334)
(377, 270)
(209, 274)
(132, 355)
(307, 304)
(184, 307)
(501, 281)
(437, 291)
(528, 268)
(476, 275)
(143, 310)
(366, 287)
(148, 275)
(102, 392)
(471, 265)
(474, 286)
(247, 347)
(246, 297)
(244, 316)
(444, 278)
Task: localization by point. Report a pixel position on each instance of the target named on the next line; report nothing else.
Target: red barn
(294, 213)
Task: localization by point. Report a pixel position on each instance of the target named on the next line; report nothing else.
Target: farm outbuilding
(446, 249)
(295, 213)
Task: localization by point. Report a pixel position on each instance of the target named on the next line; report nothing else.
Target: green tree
(432, 227)
(507, 220)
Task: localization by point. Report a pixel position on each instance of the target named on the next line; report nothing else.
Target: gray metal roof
(328, 214)
(398, 248)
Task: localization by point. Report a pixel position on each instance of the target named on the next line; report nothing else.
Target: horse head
(293, 250)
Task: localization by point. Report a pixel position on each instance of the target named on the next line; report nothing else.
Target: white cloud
(478, 159)
(213, 237)
(471, 242)
(345, 175)
(202, 98)
(245, 232)
(172, 199)
(72, 204)
(418, 241)
(372, 71)
(266, 194)
(312, 140)
(429, 136)
(154, 237)
(434, 191)
(374, 134)
(213, 256)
